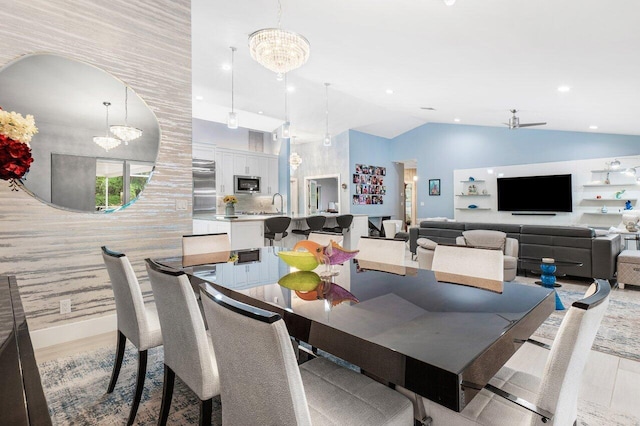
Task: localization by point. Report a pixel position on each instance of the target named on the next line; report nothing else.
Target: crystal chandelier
(232, 120)
(126, 133)
(327, 136)
(286, 126)
(279, 50)
(294, 159)
(107, 142)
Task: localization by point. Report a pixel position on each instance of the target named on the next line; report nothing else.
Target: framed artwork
(369, 184)
(434, 186)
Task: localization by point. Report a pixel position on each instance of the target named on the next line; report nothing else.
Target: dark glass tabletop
(407, 329)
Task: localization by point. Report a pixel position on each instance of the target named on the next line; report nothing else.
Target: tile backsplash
(249, 203)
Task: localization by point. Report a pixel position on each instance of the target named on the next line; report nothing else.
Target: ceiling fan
(514, 122)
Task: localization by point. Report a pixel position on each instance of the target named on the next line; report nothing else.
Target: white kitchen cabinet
(246, 164)
(246, 235)
(224, 172)
(270, 176)
(201, 226)
(203, 151)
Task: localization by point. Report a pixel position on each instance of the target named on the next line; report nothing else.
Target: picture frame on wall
(434, 186)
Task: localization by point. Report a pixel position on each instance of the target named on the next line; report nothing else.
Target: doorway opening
(321, 194)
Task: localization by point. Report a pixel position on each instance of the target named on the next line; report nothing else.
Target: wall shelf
(477, 208)
(603, 185)
(610, 199)
(471, 181)
(605, 214)
(473, 195)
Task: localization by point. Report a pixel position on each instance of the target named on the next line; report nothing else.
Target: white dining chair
(325, 238)
(470, 266)
(205, 243)
(188, 352)
(517, 398)
(382, 250)
(261, 382)
(136, 322)
(391, 227)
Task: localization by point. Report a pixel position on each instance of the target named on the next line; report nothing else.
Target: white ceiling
(473, 61)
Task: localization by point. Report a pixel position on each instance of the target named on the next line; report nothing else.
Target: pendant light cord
(279, 13)
(233, 49)
(126, 106)
(286, 109)
(106, 104)
(326, 87)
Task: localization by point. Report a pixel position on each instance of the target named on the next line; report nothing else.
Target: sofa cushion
(512, 230)
(427, 243)
(558, 231)
(442, 225)
(485, 238)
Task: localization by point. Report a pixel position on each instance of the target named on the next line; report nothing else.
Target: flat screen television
(551, 193)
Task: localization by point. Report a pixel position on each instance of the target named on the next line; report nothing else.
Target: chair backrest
(186, 347)
(383, 250)
(278, 225)
(344, 221)
(562, 375)
(205, 243)
(315, 223)
(324, 238)
(131, 314)
(259, 375)
(474, 267)
(485, 238)
(391, 227)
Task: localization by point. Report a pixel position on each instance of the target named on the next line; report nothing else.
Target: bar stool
(344, 223)
(276, 228)
(315, 223)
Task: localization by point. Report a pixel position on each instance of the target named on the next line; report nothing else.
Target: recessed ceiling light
(291, 89)
(500, 174)
(564, 89)
(226, 67)
(389, 91)
(457, 120)
(490, 171)
(199, 98)
(428, 108)
(260, 112)
(592, 127)
(449, 2)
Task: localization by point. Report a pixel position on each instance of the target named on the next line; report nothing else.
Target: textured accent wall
(55, 253)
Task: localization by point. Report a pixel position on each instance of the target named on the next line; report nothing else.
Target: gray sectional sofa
(569, 244)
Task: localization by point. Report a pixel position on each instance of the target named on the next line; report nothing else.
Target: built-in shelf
(473, 195)
(603, 185)
(621, 170)
(610, 199)
(471, 181)
(477, 208)
(604, 214)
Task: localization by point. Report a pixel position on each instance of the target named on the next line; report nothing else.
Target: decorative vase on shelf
(230, 209)
(604, 209)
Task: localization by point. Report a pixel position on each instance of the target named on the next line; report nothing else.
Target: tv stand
(532, 214)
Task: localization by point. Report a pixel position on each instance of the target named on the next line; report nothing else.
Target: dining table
(398, 324)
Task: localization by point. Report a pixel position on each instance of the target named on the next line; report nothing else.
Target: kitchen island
(247, 231)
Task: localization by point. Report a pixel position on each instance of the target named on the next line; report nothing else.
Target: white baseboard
(73, 331)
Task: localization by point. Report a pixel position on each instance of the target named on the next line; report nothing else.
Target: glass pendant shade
(327, 136)
(125, 132)
(232, 120)
(294, 160)
(286, 130)
(107, 142)
(327, 140)
(615, 164)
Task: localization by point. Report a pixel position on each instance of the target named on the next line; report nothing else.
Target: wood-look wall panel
(54, 253)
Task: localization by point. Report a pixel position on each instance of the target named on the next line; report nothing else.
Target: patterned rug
(75, 388)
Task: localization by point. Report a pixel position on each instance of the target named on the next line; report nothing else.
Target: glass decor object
(107, 142)
(125, 132)
(548, 278)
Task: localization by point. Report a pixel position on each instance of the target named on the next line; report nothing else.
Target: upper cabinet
(202, 151)
(230, 163)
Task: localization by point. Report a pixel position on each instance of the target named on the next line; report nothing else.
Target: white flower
(14, 126)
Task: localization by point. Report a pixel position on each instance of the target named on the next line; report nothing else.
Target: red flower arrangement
(15, 153)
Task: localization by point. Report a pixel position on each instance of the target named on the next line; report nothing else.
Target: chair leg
(206, 407)
(142, 372)
(167, 393)
(122, 341)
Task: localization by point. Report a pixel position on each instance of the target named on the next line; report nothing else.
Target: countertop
(255, 217)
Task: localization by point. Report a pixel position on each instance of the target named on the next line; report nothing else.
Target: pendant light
(286, 126)
(327, 136)
(107, 142)
(126, 133)
(232, 120)
(294, 159)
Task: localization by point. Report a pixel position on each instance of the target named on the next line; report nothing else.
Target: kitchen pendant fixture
(294, 159)
(126, 133)
(279, 50)
(107, 142)
(327, 136)
(232, 120)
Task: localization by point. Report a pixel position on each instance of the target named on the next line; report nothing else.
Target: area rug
(619, 333)
(75, 388)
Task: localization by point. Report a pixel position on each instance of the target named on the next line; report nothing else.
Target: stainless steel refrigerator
(204, 186)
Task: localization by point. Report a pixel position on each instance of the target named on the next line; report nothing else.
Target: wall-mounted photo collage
(369, 182)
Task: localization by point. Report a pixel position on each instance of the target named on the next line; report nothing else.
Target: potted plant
(230, 202)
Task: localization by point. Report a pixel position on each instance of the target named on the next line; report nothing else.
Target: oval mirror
(81, 162)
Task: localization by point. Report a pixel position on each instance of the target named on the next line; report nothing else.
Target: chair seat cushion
(510, 262)
(338, 396)
(487, 408)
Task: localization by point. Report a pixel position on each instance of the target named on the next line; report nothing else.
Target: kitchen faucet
(273, 201)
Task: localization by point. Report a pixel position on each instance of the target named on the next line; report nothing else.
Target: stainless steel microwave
(246, 184)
